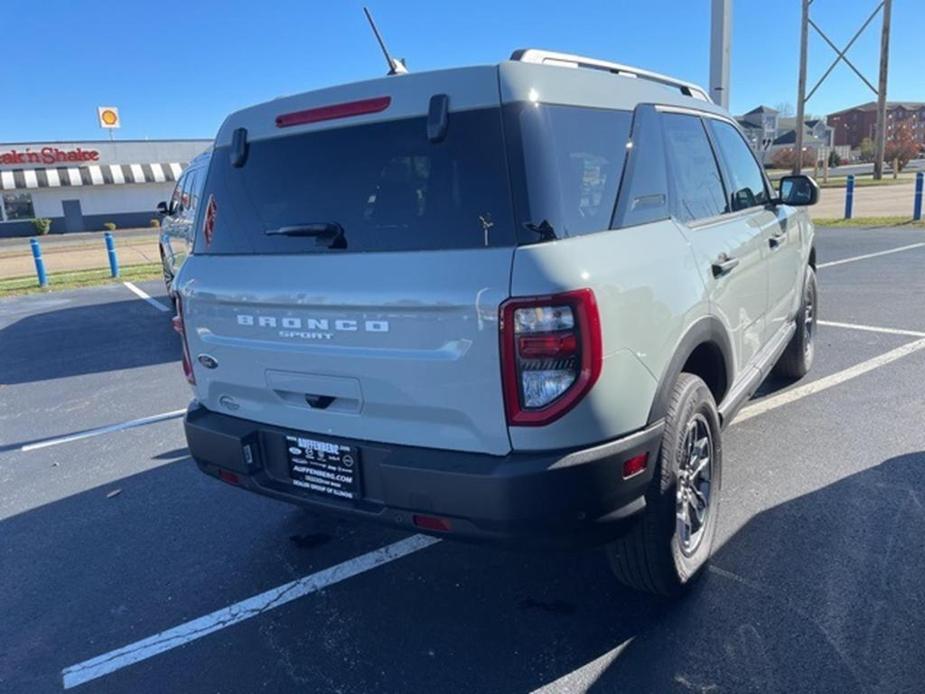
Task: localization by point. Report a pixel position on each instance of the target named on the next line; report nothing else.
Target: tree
(785, 158)
(785, 109)
(867, 149)
(901, 146)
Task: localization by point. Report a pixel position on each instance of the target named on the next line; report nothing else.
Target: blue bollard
(919, 182)
(39, 263)
(849, 197)
(111, 251)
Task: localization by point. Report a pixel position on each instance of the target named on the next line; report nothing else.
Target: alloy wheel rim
(809, 319)
(695, 483)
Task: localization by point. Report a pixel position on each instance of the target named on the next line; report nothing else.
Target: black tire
(654, 556)
(797, 359)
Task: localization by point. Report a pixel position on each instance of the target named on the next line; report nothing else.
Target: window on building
(18, 206)
(697, 190)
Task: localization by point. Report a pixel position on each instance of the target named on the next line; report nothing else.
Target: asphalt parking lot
(123, 568)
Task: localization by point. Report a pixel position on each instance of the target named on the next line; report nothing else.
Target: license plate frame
(324, 468)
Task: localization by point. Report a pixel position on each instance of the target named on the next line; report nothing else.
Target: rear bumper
(545, 498)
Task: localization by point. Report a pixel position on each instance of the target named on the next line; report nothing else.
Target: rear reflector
(432, 523)
(229, 477)
(635, 465)
(351, 108)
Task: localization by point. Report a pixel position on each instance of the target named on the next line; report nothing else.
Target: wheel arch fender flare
(708, 331)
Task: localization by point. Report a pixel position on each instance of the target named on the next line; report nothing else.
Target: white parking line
(827, 382)
(89, 433)
(871, 328)
(870, 255)
(251, 607)
(147, 297)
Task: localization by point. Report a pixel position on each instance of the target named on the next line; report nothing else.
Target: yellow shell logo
(109, 117)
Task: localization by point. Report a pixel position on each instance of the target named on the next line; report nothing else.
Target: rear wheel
(670, 544)
(797, 359)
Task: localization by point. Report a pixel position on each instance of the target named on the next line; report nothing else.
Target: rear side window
(385, 184)
(745, 179)
(644, 193)
(566, 162)
(697, 189)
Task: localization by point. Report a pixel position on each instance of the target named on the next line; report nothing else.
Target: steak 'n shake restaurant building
(82, 185)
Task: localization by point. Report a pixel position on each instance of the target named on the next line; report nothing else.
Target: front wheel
(797, 359)
(670, 544)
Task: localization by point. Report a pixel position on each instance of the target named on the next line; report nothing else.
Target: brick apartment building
(854, 124)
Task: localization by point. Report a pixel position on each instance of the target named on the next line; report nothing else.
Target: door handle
(777, 239)
(724, 265)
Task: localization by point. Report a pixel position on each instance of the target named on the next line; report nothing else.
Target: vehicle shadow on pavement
(79, 340)
(107, 566)
(822, 593)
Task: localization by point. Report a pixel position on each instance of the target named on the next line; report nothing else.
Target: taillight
(180, 327)
(550, 354)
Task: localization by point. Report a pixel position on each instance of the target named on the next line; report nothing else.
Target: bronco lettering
(296, 325)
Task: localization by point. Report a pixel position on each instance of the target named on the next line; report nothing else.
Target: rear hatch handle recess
(330, 232)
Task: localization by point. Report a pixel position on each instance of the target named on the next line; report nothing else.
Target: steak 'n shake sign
(48, 156)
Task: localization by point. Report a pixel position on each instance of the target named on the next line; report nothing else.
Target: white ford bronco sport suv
(515, 303)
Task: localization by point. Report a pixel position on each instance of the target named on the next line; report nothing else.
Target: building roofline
(872, 105)
(761, 109)
(107, 142)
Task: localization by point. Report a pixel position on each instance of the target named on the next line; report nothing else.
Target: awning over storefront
(94, 175)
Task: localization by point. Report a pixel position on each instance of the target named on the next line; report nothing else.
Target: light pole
(720, 48)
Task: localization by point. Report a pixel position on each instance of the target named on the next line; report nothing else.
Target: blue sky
(175, 68)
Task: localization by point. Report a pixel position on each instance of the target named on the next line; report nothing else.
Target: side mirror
(798, 191)
(162, 208)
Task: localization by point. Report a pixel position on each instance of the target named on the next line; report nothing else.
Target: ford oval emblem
(207, 361)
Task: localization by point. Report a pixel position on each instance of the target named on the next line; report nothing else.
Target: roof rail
(541, 57)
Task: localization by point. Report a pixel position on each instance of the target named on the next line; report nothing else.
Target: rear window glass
(385, 184)
(568, 161)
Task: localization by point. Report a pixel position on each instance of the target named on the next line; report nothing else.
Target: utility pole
(881, 91)
(801, 89)
(841, 56)
(720, 48)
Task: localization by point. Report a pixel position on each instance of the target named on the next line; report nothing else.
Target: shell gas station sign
(109, 117)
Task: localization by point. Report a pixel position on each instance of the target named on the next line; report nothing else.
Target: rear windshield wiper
(331, 232)
(544, 230)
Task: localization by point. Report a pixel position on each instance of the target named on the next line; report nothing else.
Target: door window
(191, 192)
(174, 205)
(697, 189)
(742, 172)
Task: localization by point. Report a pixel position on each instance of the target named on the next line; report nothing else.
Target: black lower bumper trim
(542, 498)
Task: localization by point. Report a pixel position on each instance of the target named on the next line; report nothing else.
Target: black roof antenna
(396, 66)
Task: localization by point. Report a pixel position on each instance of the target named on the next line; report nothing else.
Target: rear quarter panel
(648, 292)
